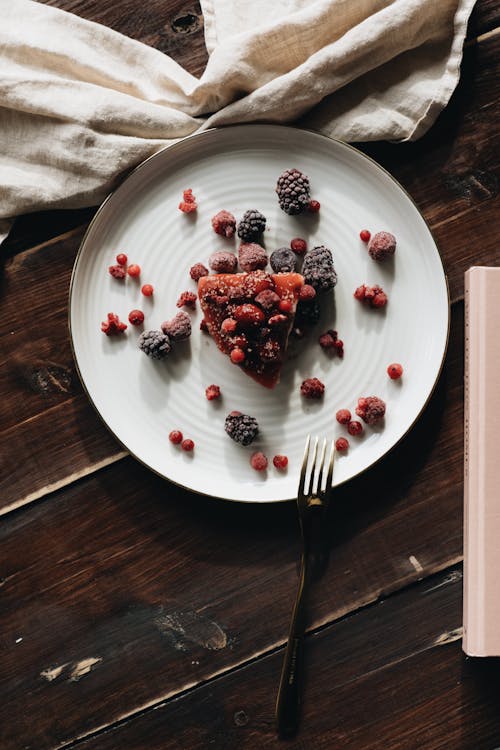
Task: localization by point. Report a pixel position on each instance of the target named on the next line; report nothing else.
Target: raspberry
(267, 299)
(249, 315)
(179, 328)
(188, 202)
(371, 409)
(237, 355)
(314, 206)
(121, 259)
(242, 428)
(312, 388)
(355, 428)
(134, 270)
(307, 293)
(136, 317)
(298, 245)
(258, 461)
(187, 445)
(175, 437)
(147, 290)
(280, 462)
(197, 271)
(113, 325)
(251, 256)
(212, 392)
(293, 189)
(342, 444)
(283, 260)
(379, 299)
(224, 223)
(382, 246)
(155, 344)
(251, 225)
(318, 269)
(228, 325)
(187, 299)
(343, 416)
(372, 295)
(395, 371)
(223, 262)
(364, 235)
(330, 341)
(117, 272)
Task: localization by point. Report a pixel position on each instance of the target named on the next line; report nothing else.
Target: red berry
(228, 325)
(371, 409)
(136, 317)
(188, 202)
(298, 245)
(113, 325)
(343, 416)
(187, 445)
(197, 271)
(248, 314)
(237, 355)
(379, 299)
(330, 341)
(342, 444)
(395, 371)
(277, 320)
(360, 292)
(134, 270)
(258, 461)
(307, 293)
(147, 290)
(212, 392)
(280, 462)
(365, 235)
(285, 306)
(312, 388)
(121, 259)
(187, 299)
(355, 428)
(314, 206)
(373, 295)
(175, 437)
(117, 272)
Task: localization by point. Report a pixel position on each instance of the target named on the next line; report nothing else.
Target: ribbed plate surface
(236, 168)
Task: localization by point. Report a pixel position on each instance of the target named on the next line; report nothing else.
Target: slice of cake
(250, 315)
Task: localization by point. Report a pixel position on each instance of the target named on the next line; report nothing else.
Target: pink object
(481, 607)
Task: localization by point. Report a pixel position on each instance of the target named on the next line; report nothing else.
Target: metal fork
(312, 506)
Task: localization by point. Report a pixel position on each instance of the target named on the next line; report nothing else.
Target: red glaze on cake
(247, 327)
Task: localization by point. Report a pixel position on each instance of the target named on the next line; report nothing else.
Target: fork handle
(290, 687)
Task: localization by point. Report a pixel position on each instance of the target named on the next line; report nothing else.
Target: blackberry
(307, 313)
(242, 428)
(251, 225)
(318, 269)
(294, 192)
(155, 344)
(283, 260)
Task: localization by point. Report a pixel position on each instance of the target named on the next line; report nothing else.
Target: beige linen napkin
(81, 104)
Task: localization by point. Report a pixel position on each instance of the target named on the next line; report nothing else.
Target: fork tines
(317, 492)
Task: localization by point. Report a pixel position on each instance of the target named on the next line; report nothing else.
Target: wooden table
(136, 615)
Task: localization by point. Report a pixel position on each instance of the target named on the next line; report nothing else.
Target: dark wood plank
(391, 677)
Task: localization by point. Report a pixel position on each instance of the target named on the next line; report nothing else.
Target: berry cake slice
(250, 315)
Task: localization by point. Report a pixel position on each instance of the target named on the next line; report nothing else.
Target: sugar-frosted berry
(117, 271)
(307, 293)
(318, 269)
(188, 203)
(341, 444)
(251, 257)
(179, 328)
(212, 392)
(258, 461)
(343, 416)
(224, 223)
(294, 191)
(242, 428)
(223, 262)
(371, 409)
(312, 388)
(354, 427)
(331, 342)
(113, 326)
(197, 271)
(136, 317)
(395, 370)
(155, 344)
(382, 246)
(187, 299)
(283, 260)
(175, 437)
(267, 299)
(251, 226)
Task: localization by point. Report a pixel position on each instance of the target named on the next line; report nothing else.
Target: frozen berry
(355, 428)
(117, 272)
(312, 388)
(237, 355)
(395, 371)
(252, 224)
(188, 202)
(147, 290)
(136, 317)
(197, 271)
(278, 320)
(228, 325)
(187, 299)
(251, 257)
(371, 409)
(379, 298)
(267, 299)
(331, 342)
(242, 428)
(314, 206)
(179, 328)
(121, 259)
(298, 245)
(364, 235)
(155, 344)
(223, 262)
(113, 325)
(382, 246)
(283, 260)
(175, 437)
(374, 296)
(280, 462)
(341, 444)
(212, 392)
(224, 223)
(318, 269)
(285, 306)
(293, 189)
(249, 315)
(187, 445)
(134, 270)
(307, 313)
(258, 461)
(343, 416)
(307, 293)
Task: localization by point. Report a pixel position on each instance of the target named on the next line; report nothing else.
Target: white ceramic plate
(236, 168)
